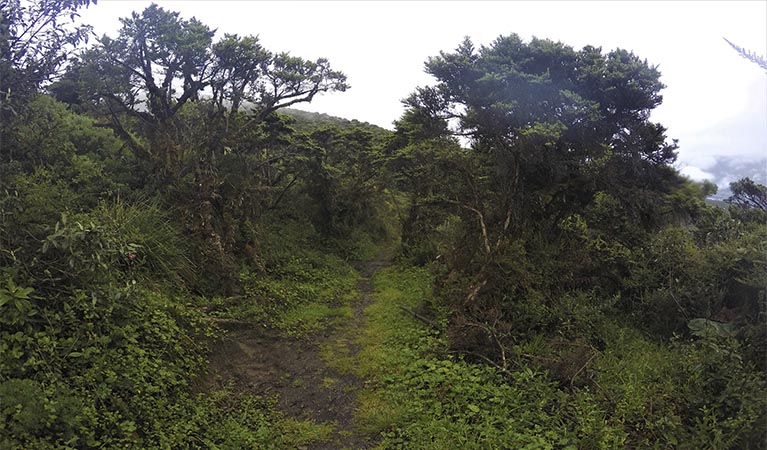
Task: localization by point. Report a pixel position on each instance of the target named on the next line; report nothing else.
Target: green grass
(309, 318)
(298, 296)
(419, 398)
(640, 391)
(252, 423)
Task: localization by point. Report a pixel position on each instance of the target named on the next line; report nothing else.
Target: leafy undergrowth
(127, 385)
(299, 289)
(639, 394)
(418, 400)
(300, 296)
(224, 420)
(98, 349)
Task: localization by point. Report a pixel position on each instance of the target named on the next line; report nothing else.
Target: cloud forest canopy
(556, 124)
(177, 99)
(160, 62)
(563, 220)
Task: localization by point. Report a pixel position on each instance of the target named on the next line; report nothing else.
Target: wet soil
(264, 362)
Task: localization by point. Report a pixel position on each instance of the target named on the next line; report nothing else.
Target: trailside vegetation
(565, 242)
(557, 284)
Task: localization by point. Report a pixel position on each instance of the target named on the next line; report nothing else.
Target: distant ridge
(306, 120)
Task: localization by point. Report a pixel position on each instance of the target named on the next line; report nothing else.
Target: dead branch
(475, 290)
(483, 226)
(506, 224)
(490, 330)
(679, 306)
(422, 318)
(480, 356)
(583, 367)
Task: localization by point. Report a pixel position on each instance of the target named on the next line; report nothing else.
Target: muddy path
(261, 361)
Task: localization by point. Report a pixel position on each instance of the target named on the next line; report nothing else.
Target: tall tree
(156, 65)
(159, 62)
(563, 175)
(554, 126)
(748, 194)
(34, 42)
(344, 174)
(163, 76)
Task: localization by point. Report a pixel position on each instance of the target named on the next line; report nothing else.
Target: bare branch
(482, 224)
(422, 318)
(480, 356)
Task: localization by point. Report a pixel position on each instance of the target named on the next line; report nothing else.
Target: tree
(160, 62)
(747, 194)
(553, 125)
(562, 178)
(141, 79)
(343, 176)
(35, 39)
(38, 139)
(163, 78)
(34, 43)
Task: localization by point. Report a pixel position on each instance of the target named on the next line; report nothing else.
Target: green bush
(119, 242)
(300, 295)
(109, 354)
(422, 401)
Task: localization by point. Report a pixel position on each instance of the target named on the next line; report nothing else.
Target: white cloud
(701, 160)
(696, 174)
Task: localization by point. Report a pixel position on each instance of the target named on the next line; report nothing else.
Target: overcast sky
(715, 102)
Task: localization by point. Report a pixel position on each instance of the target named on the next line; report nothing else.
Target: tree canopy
(160, 62)
(747, 194)
(35, 41)
(552, 126)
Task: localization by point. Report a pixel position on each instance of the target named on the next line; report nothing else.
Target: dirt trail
(263, 362)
